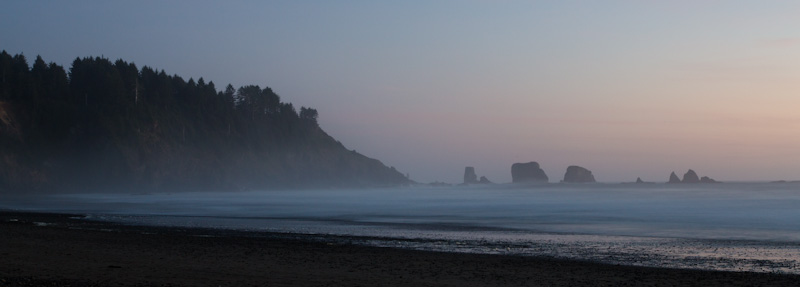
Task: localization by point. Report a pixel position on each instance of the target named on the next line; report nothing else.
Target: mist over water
(754, 211)
(753, 225)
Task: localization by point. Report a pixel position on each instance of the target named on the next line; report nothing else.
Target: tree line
(103, 123)
(120, 99)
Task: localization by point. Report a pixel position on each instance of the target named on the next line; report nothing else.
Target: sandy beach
(64, 250)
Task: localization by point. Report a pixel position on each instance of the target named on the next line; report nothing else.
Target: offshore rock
(673, 178)
(469, 175)
(690, 177)
(577, 174)
(527, 172)
(706, 179)
(639, 180)
(484, 180)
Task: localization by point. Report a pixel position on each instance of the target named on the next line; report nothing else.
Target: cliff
(112, 126)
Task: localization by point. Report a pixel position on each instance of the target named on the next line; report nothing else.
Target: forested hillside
(106, 125)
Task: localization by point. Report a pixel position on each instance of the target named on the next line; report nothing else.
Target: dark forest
(110, 126)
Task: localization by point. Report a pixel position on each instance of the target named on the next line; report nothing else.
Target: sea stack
(484, 180)
(527, 172)
(577, 174)
(673, 178)
(639, 180)
(690, 177)
(469, 175)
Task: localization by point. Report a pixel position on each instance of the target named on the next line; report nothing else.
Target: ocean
(725, 226)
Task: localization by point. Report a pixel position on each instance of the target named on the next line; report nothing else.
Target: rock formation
(706, 179)
(527, 172)
(673, 178)
(484, 180)
(690, 177)
(578, 174)
(469, 175)
(640, 181)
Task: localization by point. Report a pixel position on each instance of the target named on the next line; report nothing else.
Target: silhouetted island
(639, 181)
(673, 178)
(690, 177)
(706, 179)
(112, 126)
(469, 175)
(527, 172)
(577, 174)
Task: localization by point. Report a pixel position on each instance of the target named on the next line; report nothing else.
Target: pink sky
(625, 88)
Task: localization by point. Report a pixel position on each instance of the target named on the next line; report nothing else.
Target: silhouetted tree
(308, 115)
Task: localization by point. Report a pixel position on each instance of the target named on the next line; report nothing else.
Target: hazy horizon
(626, 89)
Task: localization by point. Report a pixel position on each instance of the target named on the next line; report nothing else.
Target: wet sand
(57, 250)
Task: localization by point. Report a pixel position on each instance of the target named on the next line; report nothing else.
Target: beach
(65, 250)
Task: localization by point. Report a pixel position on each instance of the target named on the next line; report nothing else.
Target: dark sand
(73, 252)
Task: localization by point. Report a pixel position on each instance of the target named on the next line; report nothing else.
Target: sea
(748, 226)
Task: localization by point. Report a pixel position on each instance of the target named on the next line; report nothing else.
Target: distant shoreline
(44, 249)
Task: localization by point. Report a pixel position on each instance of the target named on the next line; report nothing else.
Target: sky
(626, 89)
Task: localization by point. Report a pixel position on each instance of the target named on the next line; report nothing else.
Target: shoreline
(45, 249)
